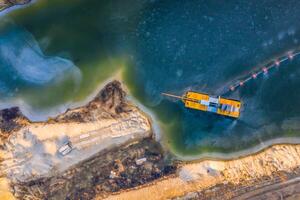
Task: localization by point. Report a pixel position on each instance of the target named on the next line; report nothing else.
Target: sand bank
(199, 176)
(32, 151)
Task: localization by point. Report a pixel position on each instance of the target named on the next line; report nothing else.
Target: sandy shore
(31, 153)
(200, 176)
(32, 149)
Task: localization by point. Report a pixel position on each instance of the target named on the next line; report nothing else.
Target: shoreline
(122, 130)
(46, 114)
(109, 120)
(208, 179)
(9, 8)
(157, 130)
(216, 156)
(191, 172)
(159, 136)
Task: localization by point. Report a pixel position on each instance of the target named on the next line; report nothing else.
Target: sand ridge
(199, 176)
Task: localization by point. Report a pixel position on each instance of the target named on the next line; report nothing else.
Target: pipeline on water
(262, 70)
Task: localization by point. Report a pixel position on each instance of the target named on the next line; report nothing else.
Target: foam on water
(20, 53)
(24, 67)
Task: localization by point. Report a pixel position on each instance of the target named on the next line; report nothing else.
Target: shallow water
(162, 46)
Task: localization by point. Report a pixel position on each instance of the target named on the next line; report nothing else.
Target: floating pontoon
(204, 102)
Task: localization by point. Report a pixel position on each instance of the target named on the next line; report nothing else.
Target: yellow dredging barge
(204, 102)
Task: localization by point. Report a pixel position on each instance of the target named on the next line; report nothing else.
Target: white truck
(65, 149)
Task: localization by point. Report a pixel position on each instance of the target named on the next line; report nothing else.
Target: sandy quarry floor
(32, 152)
(32, 149)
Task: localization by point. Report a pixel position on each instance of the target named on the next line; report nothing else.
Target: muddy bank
(4, 4)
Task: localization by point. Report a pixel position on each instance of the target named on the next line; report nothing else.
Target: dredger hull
(206, 103)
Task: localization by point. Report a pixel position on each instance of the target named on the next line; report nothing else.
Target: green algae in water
(88, 33)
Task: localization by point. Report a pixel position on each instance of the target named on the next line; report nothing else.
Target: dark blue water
(201, 46)
(173, 46)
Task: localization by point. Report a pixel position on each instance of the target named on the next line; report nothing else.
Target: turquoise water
(55, 52)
